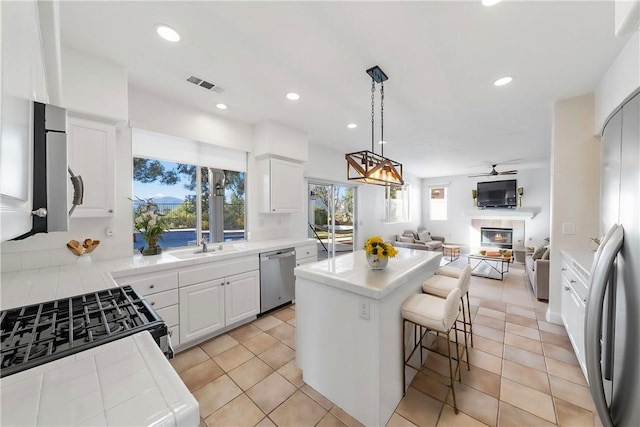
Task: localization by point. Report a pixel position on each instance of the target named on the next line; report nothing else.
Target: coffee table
(452, 251)
(490, 267)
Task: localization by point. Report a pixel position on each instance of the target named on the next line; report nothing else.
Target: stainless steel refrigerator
(612, 320)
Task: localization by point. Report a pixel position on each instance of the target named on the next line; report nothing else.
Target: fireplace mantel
(508, 214)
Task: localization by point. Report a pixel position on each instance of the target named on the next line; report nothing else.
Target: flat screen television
(497, 194)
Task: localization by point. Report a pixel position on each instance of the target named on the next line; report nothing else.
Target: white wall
(93, 86)
(620, 80)
(460, 208)
(330, 166)
(575, 185)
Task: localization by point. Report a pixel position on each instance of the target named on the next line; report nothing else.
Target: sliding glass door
(332, 217)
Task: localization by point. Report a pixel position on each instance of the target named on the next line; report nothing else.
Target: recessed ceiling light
(503, 81)
(221, 106)
(292, 96)
(167, 33)
(352, 125)
(490, 2)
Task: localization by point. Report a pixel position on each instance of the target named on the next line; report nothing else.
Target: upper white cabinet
(23, 81)
(281, 185)
(92, 147)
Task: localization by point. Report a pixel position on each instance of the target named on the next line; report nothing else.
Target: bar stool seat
(447, 278)
(434, 314)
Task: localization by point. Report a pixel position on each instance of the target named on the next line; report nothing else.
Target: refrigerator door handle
(600, 273)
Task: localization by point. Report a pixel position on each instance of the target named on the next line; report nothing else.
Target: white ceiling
(443, 116)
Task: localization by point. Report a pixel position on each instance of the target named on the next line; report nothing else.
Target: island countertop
(350, 272)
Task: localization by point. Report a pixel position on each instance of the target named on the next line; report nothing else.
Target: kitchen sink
(193, 253)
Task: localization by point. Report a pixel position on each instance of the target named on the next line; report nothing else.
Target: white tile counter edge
(106, 385)
(20, 288)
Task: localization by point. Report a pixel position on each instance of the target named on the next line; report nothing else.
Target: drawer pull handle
(572, 281)
(152, 286)
(566, 288)
(584, 300)
(564, 269)
(153, 303)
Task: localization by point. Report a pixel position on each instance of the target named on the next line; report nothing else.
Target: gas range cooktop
(40, 333)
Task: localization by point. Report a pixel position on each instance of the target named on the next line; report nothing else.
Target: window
(196, 200)
(438, 203)
(396, 204)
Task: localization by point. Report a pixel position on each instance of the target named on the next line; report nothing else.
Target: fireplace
(496, 237)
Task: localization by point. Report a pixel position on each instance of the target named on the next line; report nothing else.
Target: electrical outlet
(363, 309)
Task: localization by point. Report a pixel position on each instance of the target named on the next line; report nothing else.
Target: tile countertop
(125, 382)
(351, 273)
(108, 385)
(20, 288)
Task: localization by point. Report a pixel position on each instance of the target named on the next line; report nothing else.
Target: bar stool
(447, 278)
(434, 314)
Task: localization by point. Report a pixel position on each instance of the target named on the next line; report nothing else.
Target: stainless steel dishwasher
(277, 282)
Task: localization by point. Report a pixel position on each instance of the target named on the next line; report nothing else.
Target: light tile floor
(523, 372)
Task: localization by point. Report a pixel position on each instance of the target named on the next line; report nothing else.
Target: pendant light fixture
(367, 166)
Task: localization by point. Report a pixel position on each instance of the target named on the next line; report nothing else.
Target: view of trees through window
(175, 188)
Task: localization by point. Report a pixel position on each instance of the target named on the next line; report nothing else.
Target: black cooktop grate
(40, 333)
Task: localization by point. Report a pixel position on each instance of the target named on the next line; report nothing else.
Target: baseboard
(553, 317)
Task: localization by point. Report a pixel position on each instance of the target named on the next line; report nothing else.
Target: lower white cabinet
(242, 297)
(201, 309)
(572, 307)
(306, 253)
(209, 306)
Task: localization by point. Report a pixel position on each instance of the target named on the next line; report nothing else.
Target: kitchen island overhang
(348, 329)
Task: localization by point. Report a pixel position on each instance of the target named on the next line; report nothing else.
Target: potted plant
(378, 252)
(148, 220)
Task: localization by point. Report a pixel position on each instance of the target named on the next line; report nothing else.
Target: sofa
(420, 239)
(538, 273)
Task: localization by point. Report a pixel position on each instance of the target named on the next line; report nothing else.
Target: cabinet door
(201, 310)
(242, 296)
(92, 147)
(286, 186)
(572, 309)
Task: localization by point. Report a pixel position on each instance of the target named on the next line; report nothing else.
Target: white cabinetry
(23, 81)
(92, 147)
(217, 295)
(281, 185)
(201, 309)
(572, 303)
(306, 253)
(160, 289)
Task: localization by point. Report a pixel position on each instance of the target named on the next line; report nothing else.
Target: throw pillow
(424, 236)
(545, 255)
(406, 239)
(537, 254)
(409, 233)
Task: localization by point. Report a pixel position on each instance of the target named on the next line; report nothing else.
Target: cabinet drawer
(151, 283)
(163, 299)
(306, 251)
(169, 315)
(300, 261)
(218, 269)
(575, 281)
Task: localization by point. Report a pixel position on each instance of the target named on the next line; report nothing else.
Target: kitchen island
(348, 328)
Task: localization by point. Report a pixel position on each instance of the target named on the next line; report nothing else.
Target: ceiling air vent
(205, 84)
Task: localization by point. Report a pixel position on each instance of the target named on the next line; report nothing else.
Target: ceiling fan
(494, 172)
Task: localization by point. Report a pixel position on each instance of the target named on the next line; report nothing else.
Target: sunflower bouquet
(376, 246)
